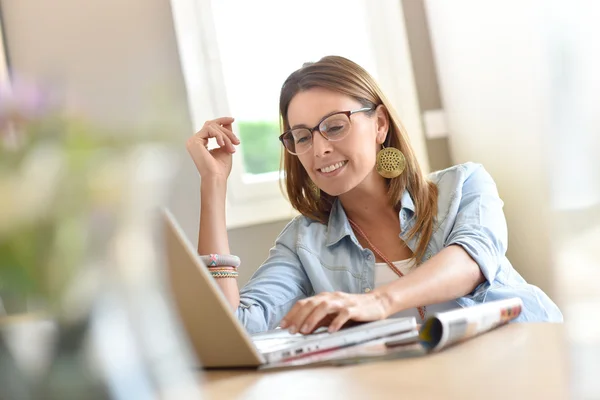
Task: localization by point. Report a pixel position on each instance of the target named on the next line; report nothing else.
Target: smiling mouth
(332, 167)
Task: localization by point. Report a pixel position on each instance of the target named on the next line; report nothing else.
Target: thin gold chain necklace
(421, 310)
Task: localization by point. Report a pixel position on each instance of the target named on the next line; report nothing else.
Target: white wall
(520, 83)
(494, 84)
(117, 62)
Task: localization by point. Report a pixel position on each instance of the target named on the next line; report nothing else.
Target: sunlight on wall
(520, 82)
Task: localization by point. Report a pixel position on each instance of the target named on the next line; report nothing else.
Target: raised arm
(214, 167)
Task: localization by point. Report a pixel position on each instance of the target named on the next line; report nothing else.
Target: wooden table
(518, 361)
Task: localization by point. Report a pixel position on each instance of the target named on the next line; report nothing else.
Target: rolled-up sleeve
(276, 286)
(480, 224)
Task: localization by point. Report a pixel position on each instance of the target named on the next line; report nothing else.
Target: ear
(382, 123)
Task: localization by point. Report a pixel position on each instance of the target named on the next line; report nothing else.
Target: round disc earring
(390, 162)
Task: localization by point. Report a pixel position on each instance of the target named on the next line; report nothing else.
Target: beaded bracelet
(217, 260)
(222, 269)
(224, 274)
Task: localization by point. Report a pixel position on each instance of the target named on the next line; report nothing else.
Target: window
(270, 40)
(243, 51)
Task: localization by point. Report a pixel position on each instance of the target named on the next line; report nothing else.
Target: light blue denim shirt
(309, 257)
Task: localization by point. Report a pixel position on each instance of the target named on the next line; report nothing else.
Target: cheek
(306, 164)
(362, 151)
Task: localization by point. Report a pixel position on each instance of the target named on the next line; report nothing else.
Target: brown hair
(343, 76)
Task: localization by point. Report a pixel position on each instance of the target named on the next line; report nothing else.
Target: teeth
(333, 167)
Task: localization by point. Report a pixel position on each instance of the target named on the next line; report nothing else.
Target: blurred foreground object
(83, 312)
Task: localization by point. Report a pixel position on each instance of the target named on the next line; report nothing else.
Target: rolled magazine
(446, 328)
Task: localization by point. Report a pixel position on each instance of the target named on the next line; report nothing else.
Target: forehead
(310, 106)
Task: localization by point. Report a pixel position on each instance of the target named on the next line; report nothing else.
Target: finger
(318, 314)
(231, 135)
(305, 308)
(227, 139)
(213, 131)
(326, 321)
(195, 142)
(223, 120)
(201, 137)
(227, 129)
(301, 317)
(342, 317)
(286, 321)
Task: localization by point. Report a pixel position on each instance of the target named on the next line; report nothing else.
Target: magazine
(438, 332)
(447, 328)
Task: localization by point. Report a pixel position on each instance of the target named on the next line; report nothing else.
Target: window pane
(261, 42)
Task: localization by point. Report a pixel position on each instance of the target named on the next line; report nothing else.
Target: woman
(375, 237)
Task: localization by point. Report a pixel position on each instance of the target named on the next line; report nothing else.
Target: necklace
(421, 310)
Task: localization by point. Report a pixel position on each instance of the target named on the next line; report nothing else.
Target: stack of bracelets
(222, 265)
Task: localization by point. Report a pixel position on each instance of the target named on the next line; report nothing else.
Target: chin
(336, 192)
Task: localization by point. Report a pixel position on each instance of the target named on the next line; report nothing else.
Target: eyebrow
(321, 120)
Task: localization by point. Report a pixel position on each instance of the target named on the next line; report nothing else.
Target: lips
(332, 167)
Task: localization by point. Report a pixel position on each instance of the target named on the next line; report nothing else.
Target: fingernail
(305, 329)
(292, 329)
(283, 323)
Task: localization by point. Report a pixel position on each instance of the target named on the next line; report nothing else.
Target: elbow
(475, 276)
(482, 248)
(472, 274)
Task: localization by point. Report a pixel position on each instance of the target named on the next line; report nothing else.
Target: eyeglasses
(332, 127)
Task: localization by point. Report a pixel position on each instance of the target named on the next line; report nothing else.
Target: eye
(334, 129)
(302, 136)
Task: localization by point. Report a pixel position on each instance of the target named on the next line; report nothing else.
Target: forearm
(212, 235)
(450, 274)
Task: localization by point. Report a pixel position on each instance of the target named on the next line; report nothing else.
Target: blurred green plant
(59, 182)
(260, 146)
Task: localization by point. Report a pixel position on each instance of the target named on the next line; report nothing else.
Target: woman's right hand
(215, 163)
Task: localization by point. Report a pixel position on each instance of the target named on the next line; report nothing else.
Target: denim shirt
(309, 257)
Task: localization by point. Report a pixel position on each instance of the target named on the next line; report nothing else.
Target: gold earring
(314, 190)
(390, 162)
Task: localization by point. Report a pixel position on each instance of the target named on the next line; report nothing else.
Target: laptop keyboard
(272, 340)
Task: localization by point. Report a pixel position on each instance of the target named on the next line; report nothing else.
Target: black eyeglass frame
(316, 128)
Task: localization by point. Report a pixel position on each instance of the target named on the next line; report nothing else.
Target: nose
(321, 146)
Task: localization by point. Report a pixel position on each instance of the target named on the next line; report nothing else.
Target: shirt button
(370, 257)
(367, 290)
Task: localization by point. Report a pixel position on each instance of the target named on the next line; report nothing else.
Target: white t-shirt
(385, 275)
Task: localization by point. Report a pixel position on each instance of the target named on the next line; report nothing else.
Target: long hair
(343, 76)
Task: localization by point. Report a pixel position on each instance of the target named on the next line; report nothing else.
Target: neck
(368, 202)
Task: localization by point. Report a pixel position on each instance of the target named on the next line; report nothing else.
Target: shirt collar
(338, 226)
(407, 203)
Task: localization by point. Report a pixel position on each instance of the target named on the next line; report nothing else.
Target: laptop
(219, 339)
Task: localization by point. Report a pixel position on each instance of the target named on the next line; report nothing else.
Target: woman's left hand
(333, 309)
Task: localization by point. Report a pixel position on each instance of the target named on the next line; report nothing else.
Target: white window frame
(4, 76)
(259, 200)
